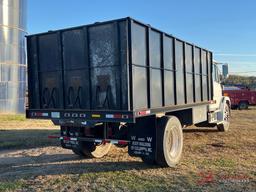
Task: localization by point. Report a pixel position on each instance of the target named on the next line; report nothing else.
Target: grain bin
(12, 55)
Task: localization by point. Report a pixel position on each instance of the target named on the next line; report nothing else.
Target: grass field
(212, 161)
(8, 121)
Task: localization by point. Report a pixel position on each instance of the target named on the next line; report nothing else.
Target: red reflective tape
(53, 136)
(37, 114)
(119, 116)
(105, 141)
(122, 142)
(66, 138)
(144, 112)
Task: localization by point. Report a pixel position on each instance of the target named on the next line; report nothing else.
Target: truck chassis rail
(95, 140)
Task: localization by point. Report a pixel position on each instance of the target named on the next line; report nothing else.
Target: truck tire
(243, 105)
(223, 127)
(98, 150)
(169, 141)
(78, 152)
(148, 161)
(92, 150)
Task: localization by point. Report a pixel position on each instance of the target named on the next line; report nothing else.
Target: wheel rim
(226, 114)
(101, 150)
(173, 142)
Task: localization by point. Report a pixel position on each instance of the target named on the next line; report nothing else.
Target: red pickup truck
(241, 97)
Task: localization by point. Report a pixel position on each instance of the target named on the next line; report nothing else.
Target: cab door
(217, 88)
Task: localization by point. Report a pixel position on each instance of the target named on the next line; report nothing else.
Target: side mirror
(225, 71)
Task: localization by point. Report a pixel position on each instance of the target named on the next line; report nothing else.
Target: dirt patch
(212, 161)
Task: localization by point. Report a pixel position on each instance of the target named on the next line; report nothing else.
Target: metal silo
(12, 55)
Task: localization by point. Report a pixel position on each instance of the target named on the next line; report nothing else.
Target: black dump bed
(120, 65)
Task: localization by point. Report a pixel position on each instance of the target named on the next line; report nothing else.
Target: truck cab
(219, 109)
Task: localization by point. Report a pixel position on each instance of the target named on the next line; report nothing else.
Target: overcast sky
(226, 27)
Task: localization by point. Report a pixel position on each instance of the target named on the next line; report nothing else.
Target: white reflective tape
(109, 116)
(73, 139)
(97, 140)
(114, 141)
(45, 114)
(55, 114)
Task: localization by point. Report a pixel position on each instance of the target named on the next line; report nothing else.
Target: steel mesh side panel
(155, 71)
(50, 71)
(139, 62)
(197, 75)
(204, 75)
(76, 69)
(209, 62)
(105, 66)
(179, 72)
(168, 71)
(79, 68)
(189, 73)
(123, 47)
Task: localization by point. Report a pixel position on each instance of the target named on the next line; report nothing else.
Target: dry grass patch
(212, 161)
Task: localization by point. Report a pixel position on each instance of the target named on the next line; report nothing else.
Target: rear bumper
(87, 139)
(82, 116)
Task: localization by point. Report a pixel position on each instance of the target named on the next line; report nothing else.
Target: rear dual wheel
(89, 149)
(169, 142)
(83, 148)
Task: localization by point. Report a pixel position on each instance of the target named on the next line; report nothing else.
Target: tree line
(246, 81)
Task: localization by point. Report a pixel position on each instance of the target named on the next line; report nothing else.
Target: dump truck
(123, 83)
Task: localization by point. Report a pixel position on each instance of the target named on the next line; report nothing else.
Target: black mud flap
(142, 135)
